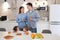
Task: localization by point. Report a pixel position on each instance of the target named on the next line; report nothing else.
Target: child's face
(24, 30)
(17, 29)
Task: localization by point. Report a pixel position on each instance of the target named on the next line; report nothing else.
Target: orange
(32, 36)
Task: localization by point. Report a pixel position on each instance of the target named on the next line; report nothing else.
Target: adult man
(32, 18)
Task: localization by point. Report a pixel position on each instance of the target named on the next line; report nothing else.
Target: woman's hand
(30, 18)
(22, 20)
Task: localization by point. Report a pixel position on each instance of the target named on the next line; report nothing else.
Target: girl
(15, 29)
(21, 17)
(26, 30)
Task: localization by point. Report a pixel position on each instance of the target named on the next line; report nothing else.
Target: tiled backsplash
(44, 15)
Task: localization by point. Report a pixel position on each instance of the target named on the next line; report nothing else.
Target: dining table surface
(28, 37)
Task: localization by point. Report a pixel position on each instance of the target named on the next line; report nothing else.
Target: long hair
(20, 9)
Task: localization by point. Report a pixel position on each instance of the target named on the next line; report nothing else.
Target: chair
(2, 29)
(46, 31)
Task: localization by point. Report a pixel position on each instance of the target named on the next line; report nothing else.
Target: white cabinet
(55, 12)
(55, 19)
(55, 29)
(41, 25)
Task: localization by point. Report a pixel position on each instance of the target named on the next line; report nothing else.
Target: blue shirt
(19, 18)
(35, 17)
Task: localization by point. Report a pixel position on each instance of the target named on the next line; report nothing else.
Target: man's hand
(30, 18)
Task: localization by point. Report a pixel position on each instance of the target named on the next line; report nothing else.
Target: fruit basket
(37, 36)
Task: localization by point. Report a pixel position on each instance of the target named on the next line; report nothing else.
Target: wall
(15, 4)
(58, 1)
(11, 12)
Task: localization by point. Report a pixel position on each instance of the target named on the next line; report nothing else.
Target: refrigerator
(54, 18)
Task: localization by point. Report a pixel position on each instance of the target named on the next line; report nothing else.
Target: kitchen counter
(10, 24)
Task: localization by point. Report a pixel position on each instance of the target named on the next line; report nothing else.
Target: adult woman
(21, 18)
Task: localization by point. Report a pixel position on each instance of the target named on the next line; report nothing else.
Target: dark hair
(30, 4)
(15, 28)
(20, 9)
(26, 28)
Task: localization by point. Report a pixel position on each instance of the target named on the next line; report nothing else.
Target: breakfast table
(28, 37)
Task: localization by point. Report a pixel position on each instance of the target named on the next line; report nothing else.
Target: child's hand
(18, 34)
(26, 33)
